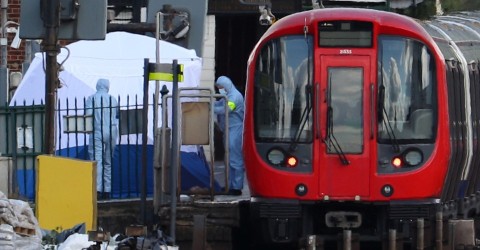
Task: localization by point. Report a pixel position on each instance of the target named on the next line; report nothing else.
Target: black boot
(99, 195)
(106, 195)
(235, 192)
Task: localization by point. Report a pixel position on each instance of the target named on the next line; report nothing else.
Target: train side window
(282, 99)
(406, 70)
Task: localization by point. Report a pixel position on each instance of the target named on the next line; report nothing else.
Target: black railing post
(175, 157)
(144, 140)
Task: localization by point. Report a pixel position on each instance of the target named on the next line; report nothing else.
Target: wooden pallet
(21, 230)
(24, 231)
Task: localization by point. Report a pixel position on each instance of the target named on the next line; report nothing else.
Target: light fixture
(15, 79)
(16, 40)
(266, 17)
(6, 29)
(387, 190)
(409, 158)
(292, 162)
(413, 157)
(173, 23)
(276, 156)
(397, 162)
(181, 30)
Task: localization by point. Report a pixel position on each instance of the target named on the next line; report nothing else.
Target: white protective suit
(104, 109)
(235, 119)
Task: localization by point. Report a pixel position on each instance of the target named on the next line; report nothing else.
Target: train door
(346, 129)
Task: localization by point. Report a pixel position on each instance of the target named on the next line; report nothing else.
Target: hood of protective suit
(225, 82)
(103, 85)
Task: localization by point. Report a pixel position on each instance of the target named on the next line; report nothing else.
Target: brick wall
(14, 56)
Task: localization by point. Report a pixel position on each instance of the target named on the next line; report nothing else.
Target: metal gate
(21, 140)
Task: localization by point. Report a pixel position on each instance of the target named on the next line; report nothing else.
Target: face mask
(222, 91)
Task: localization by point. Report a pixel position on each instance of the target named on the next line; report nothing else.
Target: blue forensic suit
(236, 109)
(102, 141)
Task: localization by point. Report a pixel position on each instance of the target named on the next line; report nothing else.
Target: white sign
(24, 137)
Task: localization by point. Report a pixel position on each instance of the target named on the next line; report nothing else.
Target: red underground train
(361, 131)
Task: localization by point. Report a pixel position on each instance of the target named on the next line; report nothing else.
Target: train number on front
(345, 51)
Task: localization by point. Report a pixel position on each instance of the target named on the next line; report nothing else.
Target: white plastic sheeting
(18, 214)
(80, 241)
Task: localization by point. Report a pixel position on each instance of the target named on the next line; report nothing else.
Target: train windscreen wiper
(303, 119)
(331, 140)
(383, 117)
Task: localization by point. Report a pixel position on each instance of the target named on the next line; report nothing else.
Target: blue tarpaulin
(127, 171)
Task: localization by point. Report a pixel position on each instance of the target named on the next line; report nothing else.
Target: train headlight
(397, 162)
(292, 162)
(409, 158)
(413, 157)
(276, 156)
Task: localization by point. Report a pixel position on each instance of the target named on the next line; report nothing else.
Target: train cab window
(345, 101)
(283, 92)
(407, 100)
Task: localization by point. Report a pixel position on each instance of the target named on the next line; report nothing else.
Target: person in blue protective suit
(104, 109)
(236, 109)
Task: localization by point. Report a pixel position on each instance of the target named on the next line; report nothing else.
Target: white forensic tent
(119, 58)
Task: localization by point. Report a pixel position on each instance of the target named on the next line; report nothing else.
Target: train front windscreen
(283, 109)
(407, 86)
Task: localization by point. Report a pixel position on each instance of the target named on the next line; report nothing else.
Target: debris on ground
(19, 229)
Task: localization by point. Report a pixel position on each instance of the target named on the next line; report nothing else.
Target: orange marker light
(397, 162)
(291, 162)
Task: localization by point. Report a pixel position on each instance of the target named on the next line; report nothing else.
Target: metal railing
(193, 136)
(22, 130)
(22, 127)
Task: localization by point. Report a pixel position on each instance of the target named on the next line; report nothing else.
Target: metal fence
(18, 122)
(22, 133)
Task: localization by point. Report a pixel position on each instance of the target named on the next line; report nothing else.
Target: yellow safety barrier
(65, 193)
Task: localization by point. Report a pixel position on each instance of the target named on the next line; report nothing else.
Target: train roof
(385, 19)
(457, 35)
